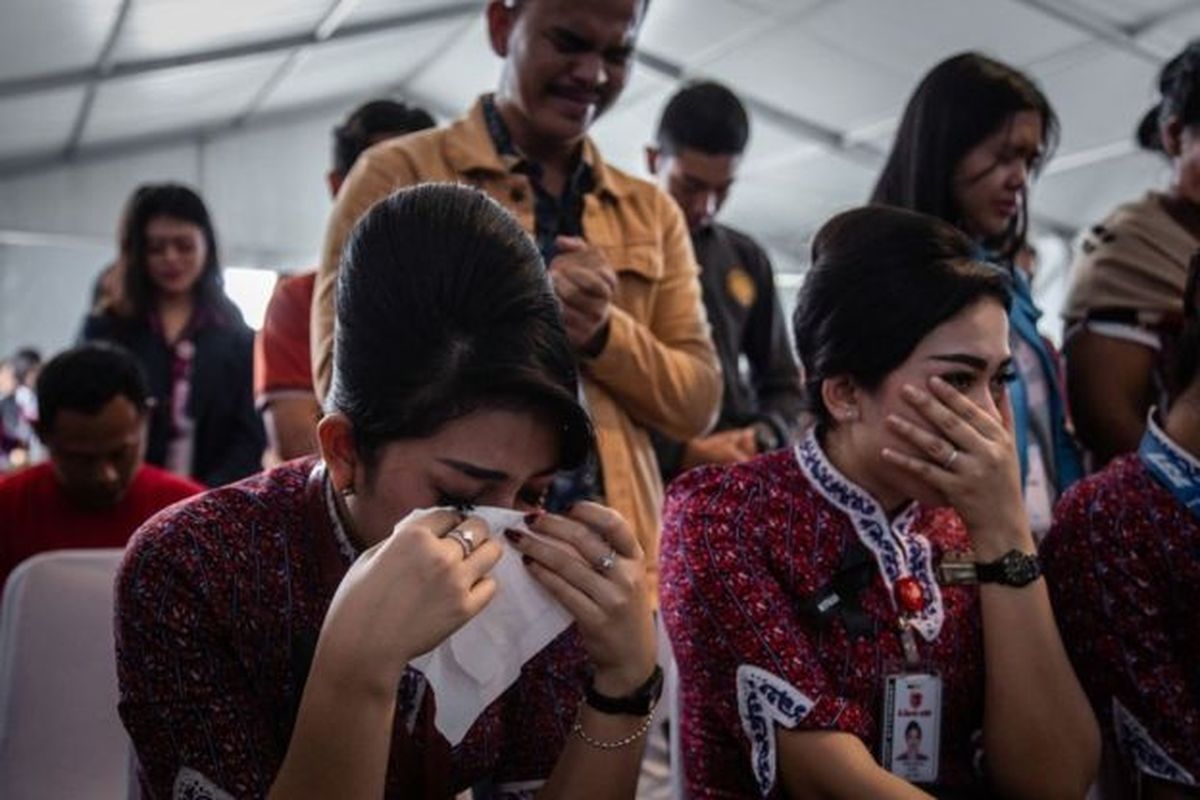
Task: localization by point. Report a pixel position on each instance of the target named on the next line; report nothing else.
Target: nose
(704, 206)
(108, 475)
(589, 70)
(1018, 175)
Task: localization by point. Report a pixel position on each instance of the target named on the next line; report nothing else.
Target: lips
(581, 102)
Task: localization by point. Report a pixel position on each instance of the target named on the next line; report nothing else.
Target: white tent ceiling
(84, 80)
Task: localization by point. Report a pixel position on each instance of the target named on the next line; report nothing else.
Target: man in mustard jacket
(616, 247)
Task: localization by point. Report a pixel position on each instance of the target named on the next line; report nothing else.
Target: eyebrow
(484, 474)
(975, 362)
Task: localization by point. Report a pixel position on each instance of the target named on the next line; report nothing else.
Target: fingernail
(513, 536)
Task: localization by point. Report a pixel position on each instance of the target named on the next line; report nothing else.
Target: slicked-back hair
(444, 308)
(881, 280)
(1179, 88)
(958, 104)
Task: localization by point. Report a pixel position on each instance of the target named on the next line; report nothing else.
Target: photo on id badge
(912, 724)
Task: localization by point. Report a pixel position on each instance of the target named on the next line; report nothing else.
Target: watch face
(1020, 569)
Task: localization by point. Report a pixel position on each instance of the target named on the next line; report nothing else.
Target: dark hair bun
(1148, 136)
(1179, 87)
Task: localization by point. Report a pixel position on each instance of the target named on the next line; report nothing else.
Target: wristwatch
(638, 704)
(1014, 568)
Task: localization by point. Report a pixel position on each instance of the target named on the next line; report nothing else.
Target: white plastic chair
(60, 735)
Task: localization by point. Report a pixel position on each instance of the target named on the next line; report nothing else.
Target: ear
(334, 180)
(653, 154)
(501, 17)
(1172, 136)
(335, 436)
(841, 397)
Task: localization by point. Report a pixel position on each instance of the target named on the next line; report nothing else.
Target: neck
(1183, 422)
(840, 451)
(174, 311)
(553, 155)
(1183, 210)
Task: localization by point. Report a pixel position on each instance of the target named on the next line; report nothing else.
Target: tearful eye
(962, 381)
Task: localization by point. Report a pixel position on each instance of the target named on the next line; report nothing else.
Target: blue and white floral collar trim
(899, 551)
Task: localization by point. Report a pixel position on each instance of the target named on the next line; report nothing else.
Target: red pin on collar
(910, 597)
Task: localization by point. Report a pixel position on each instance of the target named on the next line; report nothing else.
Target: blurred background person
(94, 491)
(973, 135)
(190, 339)
(283, 383)
(18, 407)
(1122, 311)
(698, 148)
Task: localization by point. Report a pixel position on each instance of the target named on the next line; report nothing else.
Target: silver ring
(465, 539)
(950, 461)
(609, 561)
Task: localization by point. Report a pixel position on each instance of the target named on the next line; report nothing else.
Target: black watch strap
(639, 703)
(1014, 568)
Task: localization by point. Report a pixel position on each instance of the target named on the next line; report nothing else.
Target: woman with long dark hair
(1123, 308)
(973, 134)
(882, 572)
(296, 602)
(173, 315)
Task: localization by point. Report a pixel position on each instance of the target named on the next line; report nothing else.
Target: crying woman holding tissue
(401, 617)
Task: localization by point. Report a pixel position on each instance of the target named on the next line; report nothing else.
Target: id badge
(912, 726)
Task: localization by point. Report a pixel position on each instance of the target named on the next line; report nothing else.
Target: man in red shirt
(95, 491)
(283, 387)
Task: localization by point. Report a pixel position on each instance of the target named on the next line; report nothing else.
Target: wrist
(622, 682)
(991, 542)
(356, 678)
(595, 345)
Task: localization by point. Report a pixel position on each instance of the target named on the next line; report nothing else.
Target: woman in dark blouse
(265, 632)
(198, 353)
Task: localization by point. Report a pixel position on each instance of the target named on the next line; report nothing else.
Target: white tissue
(480, 660)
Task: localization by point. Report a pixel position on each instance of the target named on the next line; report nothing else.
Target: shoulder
(295, 291)
(166, 486)
(15, 486)
(402, 159)
(1133, 231)
(290, 303)
(749, 250)
(202, 541)
(747, 501)
(1101, 509)
(109, 326)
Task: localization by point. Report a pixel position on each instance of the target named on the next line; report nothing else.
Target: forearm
(1040, 737)
(819, 765)
(672, 387)
(591, 773)
(341, 741)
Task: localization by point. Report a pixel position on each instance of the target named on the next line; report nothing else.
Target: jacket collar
(469, 148)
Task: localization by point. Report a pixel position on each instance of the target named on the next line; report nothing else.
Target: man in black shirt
(699, 144)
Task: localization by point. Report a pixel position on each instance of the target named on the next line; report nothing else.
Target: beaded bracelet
(578, 730)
